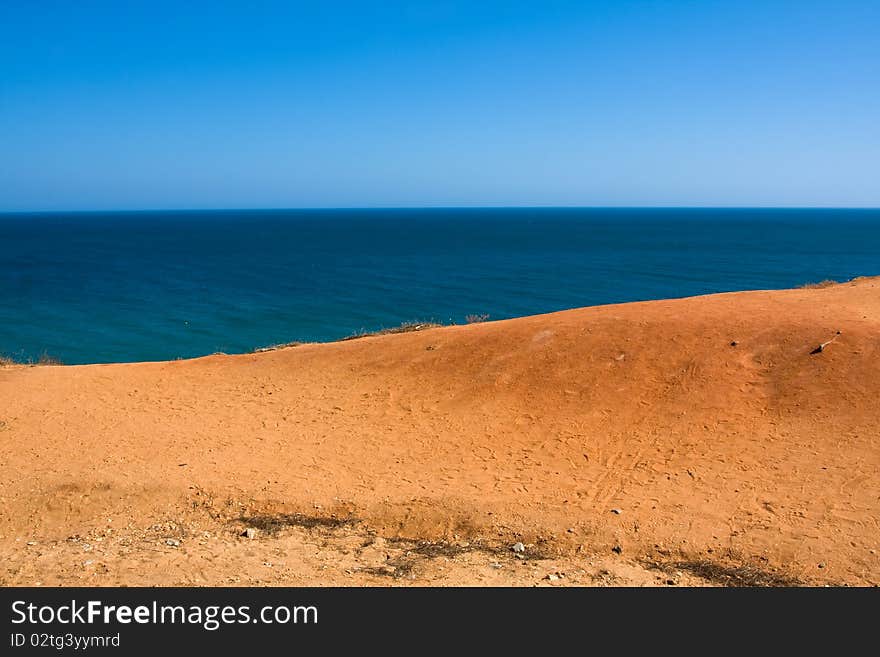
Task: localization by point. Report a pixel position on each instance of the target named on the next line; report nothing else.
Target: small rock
(552, 577)
(616, 512)
(31, 542)
(250, 532)
(496, 565)
(570, 530)
(518, 548)
(821, 565)
(733, 343)
(617, 549)
(88, 563)
(172, 542)
(671, 582)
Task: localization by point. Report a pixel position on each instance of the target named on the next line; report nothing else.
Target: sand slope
(421, 457)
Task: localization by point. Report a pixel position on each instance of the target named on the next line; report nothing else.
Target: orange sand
(422, 457)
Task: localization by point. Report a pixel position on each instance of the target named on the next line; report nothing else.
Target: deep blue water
(102, 287)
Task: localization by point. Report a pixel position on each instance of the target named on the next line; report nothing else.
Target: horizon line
(438, 207)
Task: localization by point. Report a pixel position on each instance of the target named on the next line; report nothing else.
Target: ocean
(135, 286)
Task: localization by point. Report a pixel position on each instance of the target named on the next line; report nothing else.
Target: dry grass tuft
(407, 327)
(273, 523)
(275, 347)
(44, 359)
(736, 575)
(821, 284)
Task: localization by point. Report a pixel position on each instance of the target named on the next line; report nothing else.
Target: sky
(182, 105)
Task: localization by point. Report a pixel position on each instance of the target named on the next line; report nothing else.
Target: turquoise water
(104, 287)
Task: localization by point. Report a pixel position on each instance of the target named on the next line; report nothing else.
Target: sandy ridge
(629, 443)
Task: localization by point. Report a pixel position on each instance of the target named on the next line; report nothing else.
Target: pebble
(172, 542)
(616, 512)
(552, 577)
(518, 547)
(617, 549)
(250, 532)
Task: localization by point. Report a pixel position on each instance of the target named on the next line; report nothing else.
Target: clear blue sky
(130, 105)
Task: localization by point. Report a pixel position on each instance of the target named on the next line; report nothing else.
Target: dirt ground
(683, 442)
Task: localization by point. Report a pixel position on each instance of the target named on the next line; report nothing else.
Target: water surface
(104, 287)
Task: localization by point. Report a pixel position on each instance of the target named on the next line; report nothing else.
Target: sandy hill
(683, 441)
